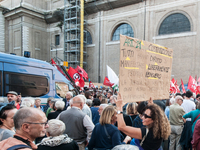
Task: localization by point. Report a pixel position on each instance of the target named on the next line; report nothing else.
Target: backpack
(16, 147)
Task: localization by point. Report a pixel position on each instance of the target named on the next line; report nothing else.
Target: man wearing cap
(13, 96)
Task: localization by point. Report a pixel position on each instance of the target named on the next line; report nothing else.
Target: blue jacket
(100, 139)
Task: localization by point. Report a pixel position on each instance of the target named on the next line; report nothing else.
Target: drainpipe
(144, 19)
(22, 49)
(99, 76)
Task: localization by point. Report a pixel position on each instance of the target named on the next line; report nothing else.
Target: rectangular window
(27, 85)
(57, 39)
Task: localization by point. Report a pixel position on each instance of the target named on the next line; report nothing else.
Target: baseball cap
(12, 92)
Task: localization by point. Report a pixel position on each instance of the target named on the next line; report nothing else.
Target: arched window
(88, 38)
(175, 23)
(124, 29)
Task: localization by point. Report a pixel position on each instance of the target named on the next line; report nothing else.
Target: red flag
(183, 88)
(107, 82)
(77, 82)
(91, 85)
(53, 62)
(82, 72)
(192, 84)
(174, 88)
(75, 75)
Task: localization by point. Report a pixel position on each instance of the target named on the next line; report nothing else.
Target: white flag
(112, 76)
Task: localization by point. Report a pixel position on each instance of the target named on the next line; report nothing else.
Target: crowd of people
(99, 119)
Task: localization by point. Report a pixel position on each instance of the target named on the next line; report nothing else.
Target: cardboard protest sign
(144, 71)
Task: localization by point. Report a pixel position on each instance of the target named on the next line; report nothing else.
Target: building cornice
(22, 10)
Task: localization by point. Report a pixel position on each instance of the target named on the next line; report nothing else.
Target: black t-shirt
(150, 143)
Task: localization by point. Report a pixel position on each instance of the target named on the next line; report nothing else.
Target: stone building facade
(171, 23)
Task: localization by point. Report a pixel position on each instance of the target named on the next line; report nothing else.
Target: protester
(59, 106)
(109, 94)
(12, 96)
(88, 95)
(48, 104)
(94, 110)
(30, 123)
(194, 115)
(156, 122)
(105, 135)
(176, 122)
(50, 109)
(196, 137)
(112, 100)
(167, 107)
(186, 136)
(86, 109)
(101, 108)
(67, 98)
(79, 125)
(38, 104)
(131, 111)
(138, 119)
(56, 140)
(6, 121)
(27, 102)
(19, 100)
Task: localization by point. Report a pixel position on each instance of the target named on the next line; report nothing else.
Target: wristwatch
(119, 112)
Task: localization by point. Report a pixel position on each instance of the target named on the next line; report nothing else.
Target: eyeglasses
(45, 123)
(146, 116)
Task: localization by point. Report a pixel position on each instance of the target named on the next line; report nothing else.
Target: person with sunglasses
(29, 123)
(6, 121)
(157, 126)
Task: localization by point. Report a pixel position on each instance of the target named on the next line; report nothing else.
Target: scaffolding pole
(82, 35)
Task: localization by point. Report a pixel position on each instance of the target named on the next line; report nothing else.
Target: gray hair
(82, 97)
(56, 127)
(59, 105)
(37, 98)
(27, 102)
(71, 94)
(177, 98)
(172, 100)
(125, 147)
(89, 102)
(104, 105)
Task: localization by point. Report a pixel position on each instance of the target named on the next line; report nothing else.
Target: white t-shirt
(188, 106)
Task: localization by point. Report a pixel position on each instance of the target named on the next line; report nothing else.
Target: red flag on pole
(75, 75)
(107, 82)
(192, 84)
(91, 85)
(183, 88)
(174, 88)
(53, 62)
(82, 72)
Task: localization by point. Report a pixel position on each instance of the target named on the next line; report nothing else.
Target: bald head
(77, 101)
(27, 114)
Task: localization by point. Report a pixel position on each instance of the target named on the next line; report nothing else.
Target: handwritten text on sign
(145, 70)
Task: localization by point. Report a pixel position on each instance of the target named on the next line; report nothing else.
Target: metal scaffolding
(73, 53)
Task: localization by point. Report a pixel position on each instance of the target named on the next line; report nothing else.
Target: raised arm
(130, 131)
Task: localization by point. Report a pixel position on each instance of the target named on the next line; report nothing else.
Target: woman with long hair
(7, 113)
(105, 135)
(157, 126)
